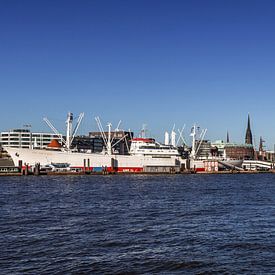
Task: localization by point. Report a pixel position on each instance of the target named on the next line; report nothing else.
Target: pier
(37, 170)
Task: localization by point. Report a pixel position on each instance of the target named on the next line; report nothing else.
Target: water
(175, 224)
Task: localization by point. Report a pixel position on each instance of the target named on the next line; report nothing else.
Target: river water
(138, 224)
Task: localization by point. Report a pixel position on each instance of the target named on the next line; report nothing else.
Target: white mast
(193, 135)
(70, 134)
(109, 146)
(69, 123)
(143, 131)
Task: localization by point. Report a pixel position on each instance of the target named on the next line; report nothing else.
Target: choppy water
(176, 224)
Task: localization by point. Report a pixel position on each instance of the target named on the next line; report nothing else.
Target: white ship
(143, 153)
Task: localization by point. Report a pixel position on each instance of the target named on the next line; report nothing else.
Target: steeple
(261, 145)
(248, 135)
(227, 137)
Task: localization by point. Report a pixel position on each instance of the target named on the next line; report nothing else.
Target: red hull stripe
(108, 169)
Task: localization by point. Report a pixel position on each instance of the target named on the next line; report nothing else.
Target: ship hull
(88, 161)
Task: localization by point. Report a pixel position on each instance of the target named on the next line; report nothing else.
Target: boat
(144, 152)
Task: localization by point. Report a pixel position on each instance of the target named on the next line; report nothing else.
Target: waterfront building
(234, 150)
(24, 138)
(239, 151)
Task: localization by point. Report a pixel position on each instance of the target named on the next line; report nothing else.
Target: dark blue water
(178, 224)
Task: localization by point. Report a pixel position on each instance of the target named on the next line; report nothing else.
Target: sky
(149, 62)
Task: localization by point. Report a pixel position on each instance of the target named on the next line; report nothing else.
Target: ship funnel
(166, 138)
(173, 138)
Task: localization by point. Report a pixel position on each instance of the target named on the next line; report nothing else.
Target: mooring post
(37, 169)
(26, 170)
(20, 166)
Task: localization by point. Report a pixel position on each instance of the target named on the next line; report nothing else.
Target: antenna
(143, 130)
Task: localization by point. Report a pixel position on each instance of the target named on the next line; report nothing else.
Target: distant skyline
(143, 62)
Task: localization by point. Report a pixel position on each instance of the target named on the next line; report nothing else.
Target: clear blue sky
(154, 62)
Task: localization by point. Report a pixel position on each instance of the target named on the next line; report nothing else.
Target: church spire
(227, 137)
(248, 135)
(261, 145)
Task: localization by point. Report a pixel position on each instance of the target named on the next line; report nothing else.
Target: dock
(19, 171)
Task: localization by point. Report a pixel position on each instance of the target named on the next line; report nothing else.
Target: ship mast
(69, 123)
(109, 145)
(70, 133)
(193, 135)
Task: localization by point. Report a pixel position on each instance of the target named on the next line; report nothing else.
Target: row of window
(28, 135)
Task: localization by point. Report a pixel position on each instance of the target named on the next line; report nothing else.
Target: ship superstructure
(149, 147)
